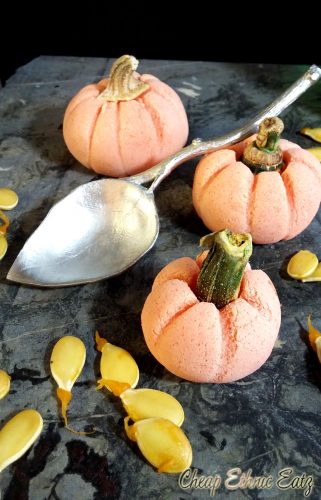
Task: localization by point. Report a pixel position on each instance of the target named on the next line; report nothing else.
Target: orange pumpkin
(241, 188)
(126, 123)
(217, 324)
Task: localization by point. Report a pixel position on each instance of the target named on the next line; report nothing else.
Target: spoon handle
(198, 147)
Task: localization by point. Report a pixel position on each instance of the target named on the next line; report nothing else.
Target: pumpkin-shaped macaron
(214, 323)
(264, 186)
(126, 123)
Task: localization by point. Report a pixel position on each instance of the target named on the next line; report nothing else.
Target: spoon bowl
(102, 228)
(99, 229)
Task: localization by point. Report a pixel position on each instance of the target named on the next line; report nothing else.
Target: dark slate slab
(266, 422)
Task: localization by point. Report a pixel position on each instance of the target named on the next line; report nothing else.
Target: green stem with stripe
(222, 271)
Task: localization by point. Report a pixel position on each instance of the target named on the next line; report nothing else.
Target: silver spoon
(102, 228)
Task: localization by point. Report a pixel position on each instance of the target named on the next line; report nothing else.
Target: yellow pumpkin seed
(315, 276)
(118, 368)
(8, 199)
(314, 133)
(146, 403)
(314, 338)
(314, 334)
(162, 443)
(4, 383)
(318, 348)
(316, 152)
(3, 246)
(17, 435)
(302, 264)
(5, 224)
(66, 363)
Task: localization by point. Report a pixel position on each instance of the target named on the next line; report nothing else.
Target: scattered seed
(146, 403)
(118, 368)
(302, 264)
(17, 435)
(162, 443)
(4, 383)
(8, 199)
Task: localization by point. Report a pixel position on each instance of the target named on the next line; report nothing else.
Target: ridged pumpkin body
(198, 342)
(272, 206)
(125, 137)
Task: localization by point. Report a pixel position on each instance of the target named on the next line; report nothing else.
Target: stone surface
(266, 422)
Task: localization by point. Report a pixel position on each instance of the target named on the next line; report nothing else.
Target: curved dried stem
(122, 84)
